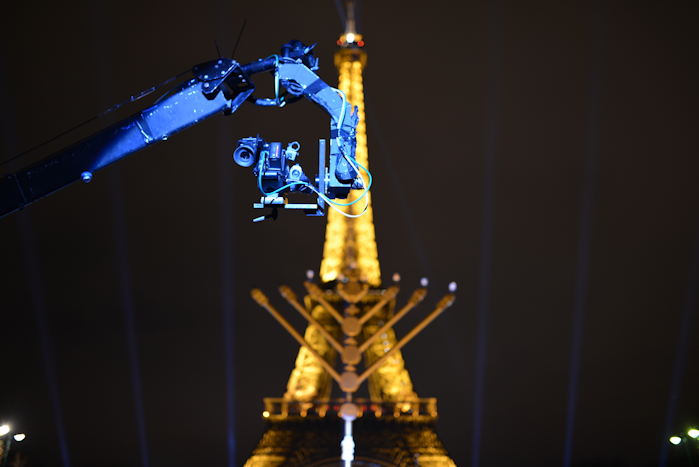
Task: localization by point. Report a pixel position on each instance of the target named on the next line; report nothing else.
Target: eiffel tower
(393, 426)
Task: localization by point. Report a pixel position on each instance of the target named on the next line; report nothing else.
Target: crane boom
(218, 86)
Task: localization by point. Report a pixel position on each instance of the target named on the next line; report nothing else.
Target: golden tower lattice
(394, 425)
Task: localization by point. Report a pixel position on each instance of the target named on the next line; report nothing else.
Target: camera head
(278, 173)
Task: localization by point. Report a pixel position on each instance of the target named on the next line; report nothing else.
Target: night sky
(543, 155)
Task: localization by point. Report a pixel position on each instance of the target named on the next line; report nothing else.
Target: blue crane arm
(219, 86)
(343, 120)
(183, 108)
(187, 105)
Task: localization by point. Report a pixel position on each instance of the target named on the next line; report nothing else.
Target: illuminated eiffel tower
(393, 427)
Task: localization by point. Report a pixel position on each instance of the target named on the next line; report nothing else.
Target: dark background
(541, 154)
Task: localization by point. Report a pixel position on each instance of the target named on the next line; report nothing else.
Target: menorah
(352, 321)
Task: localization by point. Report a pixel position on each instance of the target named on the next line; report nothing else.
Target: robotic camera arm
(276, 170)
(218, 86)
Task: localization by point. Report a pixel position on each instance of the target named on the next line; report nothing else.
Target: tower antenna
(350, 23)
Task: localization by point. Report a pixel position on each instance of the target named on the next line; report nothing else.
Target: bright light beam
(31, 264)
(485, 266)
(587, 200)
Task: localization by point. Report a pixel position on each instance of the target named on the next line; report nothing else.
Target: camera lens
(244, 155)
